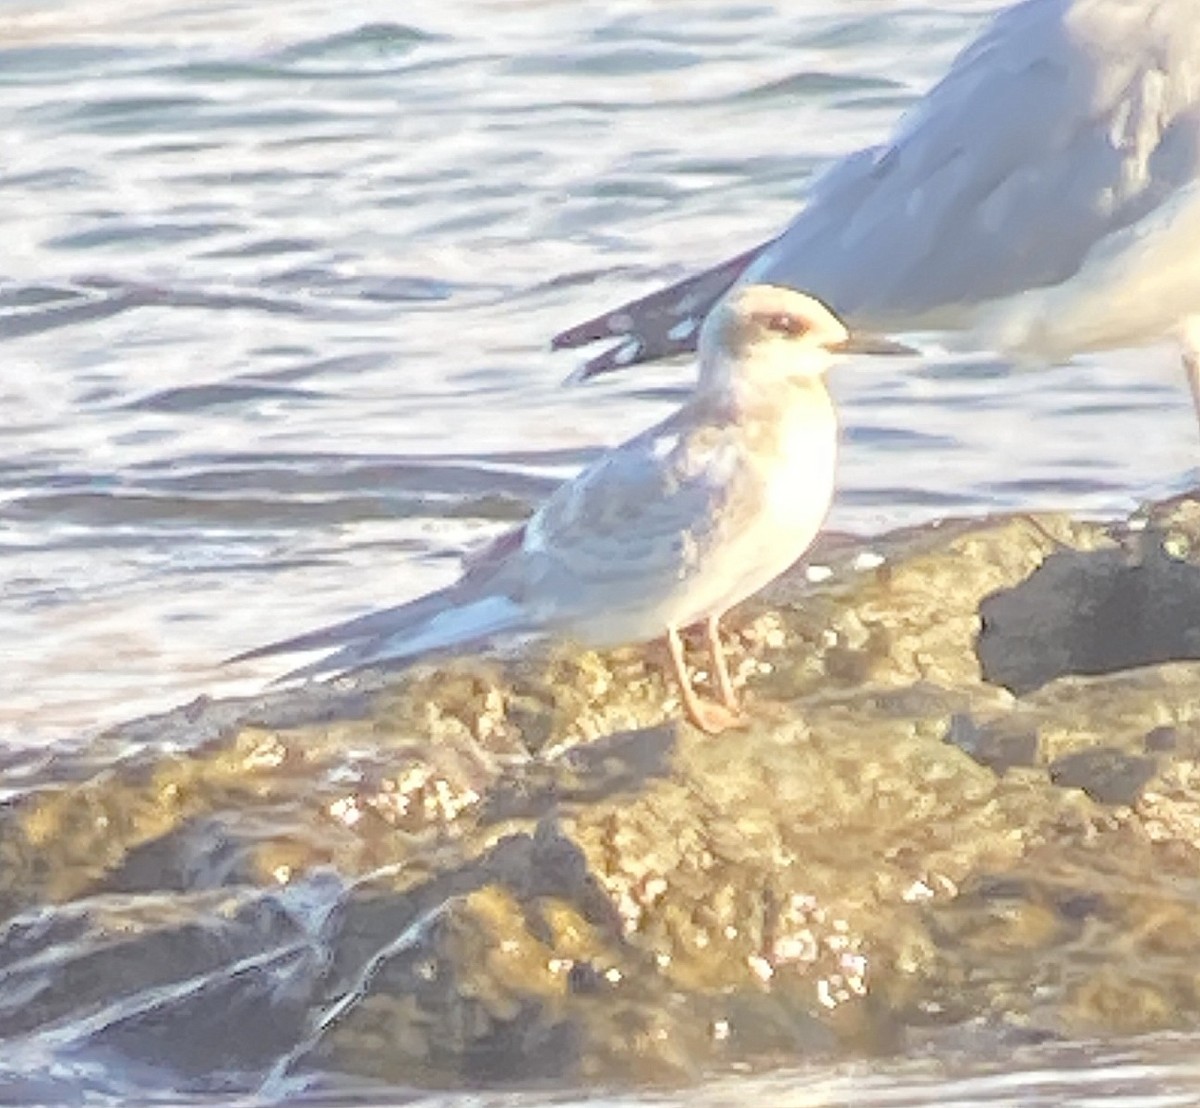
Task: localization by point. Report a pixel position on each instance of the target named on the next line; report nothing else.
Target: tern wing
(627, 530)
(469, 621)
(633, 529)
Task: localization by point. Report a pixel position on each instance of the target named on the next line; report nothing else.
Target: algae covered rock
(967, 795)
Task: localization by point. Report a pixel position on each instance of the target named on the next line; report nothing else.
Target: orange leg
(711, 718)
(716, 654)
(1191, 366)
(1191, 358)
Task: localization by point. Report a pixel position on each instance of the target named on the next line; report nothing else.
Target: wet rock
(1160, 740)
(1001, 744)
(1108, 776)
(86, 961)
(968, 796)
(1090, 612)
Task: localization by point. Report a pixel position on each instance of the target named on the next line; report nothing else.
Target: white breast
(796, 482)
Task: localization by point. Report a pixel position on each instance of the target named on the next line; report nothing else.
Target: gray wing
(371, 625)
(660, 325)
(1064, 123)
(635, 525)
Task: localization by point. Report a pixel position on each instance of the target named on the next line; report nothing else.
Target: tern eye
(785, 324)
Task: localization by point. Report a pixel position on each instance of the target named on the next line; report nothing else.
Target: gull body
(670, 529)
(1042, 200)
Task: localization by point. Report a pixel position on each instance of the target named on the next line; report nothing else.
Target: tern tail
(389, 621)
(406, 639)
(660, 325)
(363, 632)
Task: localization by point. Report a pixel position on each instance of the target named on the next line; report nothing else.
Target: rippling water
(1153, 1073)
(277, 283)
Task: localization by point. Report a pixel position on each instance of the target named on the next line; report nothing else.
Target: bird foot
(712, 719)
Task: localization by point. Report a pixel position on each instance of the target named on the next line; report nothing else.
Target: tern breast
(774, 509)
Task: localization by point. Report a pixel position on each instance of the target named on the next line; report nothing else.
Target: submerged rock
(968, 797)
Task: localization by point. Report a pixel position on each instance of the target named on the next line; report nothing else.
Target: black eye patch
(783, 323)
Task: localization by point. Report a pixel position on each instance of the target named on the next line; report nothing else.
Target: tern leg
(710, 718)
(1191, 361)
(716, 653)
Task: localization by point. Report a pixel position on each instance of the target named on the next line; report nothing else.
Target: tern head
(769, 334)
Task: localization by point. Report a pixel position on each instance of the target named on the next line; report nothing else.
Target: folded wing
(1065, 123)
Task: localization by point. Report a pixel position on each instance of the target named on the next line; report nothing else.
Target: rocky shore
(966, 808)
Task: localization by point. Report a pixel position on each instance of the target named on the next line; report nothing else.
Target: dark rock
(999, 745)
(1161, 740)
(1107, 775)
(1092, 612)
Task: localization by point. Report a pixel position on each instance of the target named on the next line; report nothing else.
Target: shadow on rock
(1093, 612)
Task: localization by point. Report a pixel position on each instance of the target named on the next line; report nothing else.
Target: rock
(1000, 745)
(1094, 611)
(968, 796)
(1107, 775)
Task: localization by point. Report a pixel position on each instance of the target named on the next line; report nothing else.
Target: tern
(668, 530)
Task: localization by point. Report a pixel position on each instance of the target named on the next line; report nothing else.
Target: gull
(668, 530)
(1042, 200)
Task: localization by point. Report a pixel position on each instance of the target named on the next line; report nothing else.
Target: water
(266, 267)
(278, 281)
(1151, 1073)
